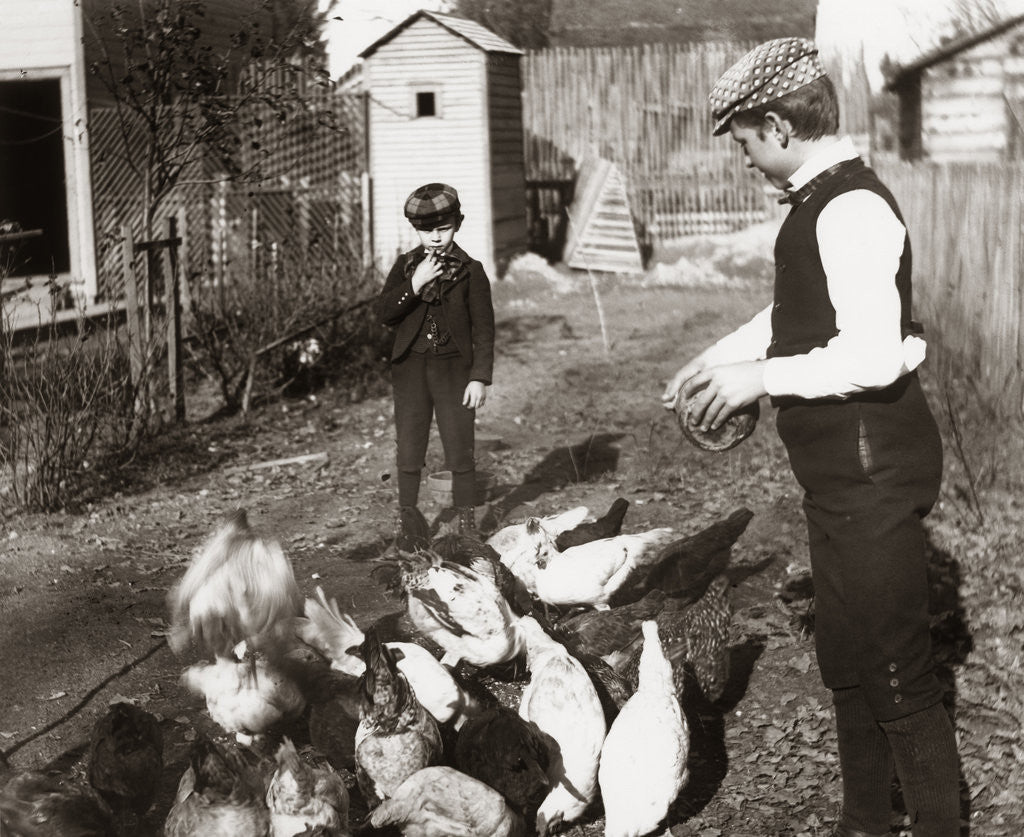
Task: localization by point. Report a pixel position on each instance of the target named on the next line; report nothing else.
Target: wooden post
(175, 372)
(131, 300)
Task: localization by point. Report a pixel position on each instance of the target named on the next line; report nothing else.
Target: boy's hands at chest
(426, 271)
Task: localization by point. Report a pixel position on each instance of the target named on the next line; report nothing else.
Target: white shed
(445, 104)
(44, 154)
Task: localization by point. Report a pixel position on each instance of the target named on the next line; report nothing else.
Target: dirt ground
(573, 418)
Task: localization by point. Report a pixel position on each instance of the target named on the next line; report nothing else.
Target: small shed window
(427, 103)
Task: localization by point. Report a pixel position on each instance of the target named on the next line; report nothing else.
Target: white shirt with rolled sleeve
(860, 241)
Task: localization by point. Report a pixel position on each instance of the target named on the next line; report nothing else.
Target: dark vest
(803, 317)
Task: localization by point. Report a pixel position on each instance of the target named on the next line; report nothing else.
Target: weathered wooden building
(444, 104)
(964, 101)
(52, 177)
(44, 145)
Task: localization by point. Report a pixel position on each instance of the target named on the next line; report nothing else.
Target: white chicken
(442, 802)
(240, 587)
(562, 701)
(462, 610)
(336, 635)
(531, 551)
(591, 573)
(509, 537)
(245, 697)
(643, 761)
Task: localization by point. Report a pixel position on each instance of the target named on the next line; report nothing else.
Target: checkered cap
(766, 73)
(432, 205)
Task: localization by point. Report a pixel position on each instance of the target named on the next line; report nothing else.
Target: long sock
(866, 762)
(408, 487)
(924, 746)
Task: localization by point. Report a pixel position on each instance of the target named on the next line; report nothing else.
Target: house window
(32, 174)
(426, 104)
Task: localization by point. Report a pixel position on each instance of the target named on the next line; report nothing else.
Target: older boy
(837, 353)
(438, 301)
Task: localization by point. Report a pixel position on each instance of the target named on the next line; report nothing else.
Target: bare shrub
(66, 404)
(268, 296)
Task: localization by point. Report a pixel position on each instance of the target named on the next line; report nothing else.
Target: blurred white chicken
(442, 802)
(509, 537)
(336, 635)
(239, 587)
(462, 610)
(302, 798)
(562, 701)
(591, 573)
(643, 761)
(245, 697)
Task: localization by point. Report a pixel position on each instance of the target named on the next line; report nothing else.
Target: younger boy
(438, 301)
(837, 353)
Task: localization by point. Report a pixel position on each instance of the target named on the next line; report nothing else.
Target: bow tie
(798, 196)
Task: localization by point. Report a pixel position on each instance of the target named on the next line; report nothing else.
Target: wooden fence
(967, 231)
(645, 109)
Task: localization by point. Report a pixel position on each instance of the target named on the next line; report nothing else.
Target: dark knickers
(870, 469)
(426, 385)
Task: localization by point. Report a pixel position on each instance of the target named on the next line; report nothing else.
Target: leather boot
(467, 520)
(413, 531)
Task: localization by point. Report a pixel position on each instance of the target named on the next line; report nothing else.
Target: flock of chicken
(589, 636)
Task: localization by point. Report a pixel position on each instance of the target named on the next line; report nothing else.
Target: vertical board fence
(645, 109)
(967, 231)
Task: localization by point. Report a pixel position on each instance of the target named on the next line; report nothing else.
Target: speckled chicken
(695, 637)
(610, 634)
(465, 549)
(643, 760)
(126, 758)
(462, 610)
(33, 804)
(507, 753)
(562, 701)
(220, 794)
(302, 797)
(606, 526)
(444, 802)
(336, 636)
(245, 696)
(240, 587)
(396, 736)
(684, 568)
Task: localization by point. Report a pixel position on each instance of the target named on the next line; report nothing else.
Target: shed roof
(469, 30)
(901, 73)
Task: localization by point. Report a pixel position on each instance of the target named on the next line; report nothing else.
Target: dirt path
(82, 595)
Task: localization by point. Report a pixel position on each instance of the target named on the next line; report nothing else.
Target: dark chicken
(502, 750)
(606, 526)
(126, 758)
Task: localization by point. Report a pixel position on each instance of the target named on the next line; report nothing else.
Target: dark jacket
(467, 309)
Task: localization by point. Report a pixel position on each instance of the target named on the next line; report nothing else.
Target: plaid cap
(432, 205)
(768, 72)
